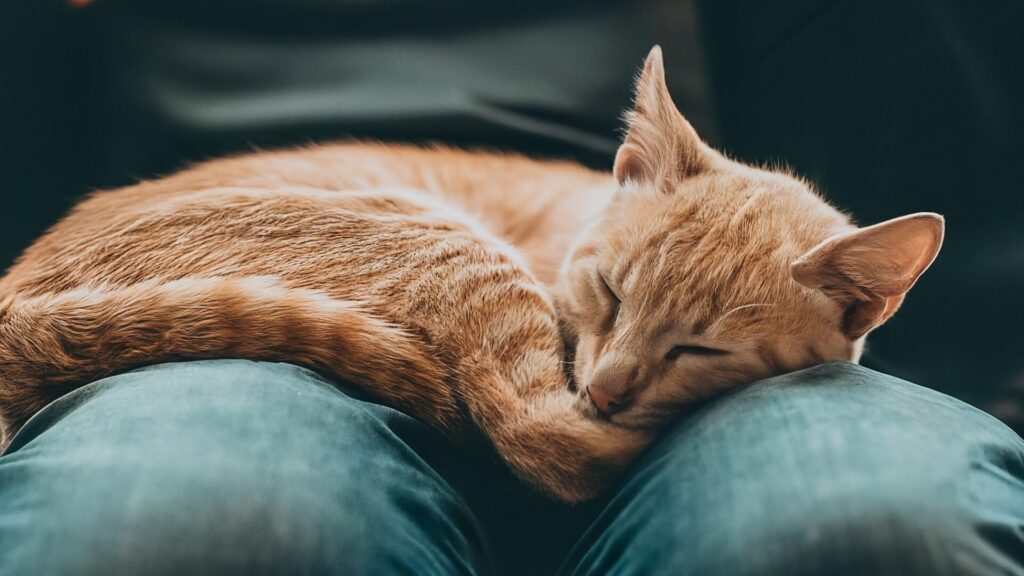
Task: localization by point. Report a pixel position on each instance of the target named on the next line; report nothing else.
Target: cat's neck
(550, 224)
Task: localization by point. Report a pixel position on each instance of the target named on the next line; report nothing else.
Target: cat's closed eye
(678, 351)
(608, 289)
(612, 297)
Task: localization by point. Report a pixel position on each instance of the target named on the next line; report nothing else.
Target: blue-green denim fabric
(833, 470)
(225, 467)
(235, 467)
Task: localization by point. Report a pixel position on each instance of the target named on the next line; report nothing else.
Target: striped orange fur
(455, 284)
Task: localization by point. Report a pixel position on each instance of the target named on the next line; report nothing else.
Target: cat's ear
(871, 269)
(659, 142)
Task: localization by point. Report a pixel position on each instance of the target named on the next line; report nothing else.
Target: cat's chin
(587, 408)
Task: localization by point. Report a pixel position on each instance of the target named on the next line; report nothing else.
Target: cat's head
(703, 273)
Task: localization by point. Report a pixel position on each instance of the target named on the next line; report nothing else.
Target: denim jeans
(236, 467)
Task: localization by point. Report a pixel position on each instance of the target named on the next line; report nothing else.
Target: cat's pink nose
(607, 402)
(611, 386)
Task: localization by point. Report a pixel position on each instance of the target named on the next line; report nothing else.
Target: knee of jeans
(195, 521)
(862, 531)
(169, 486)
(851, 490)
(895, 527)
(904, 526)
(238, 520)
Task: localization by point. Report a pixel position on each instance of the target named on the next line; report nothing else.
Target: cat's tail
(53, 343)
(546, 439)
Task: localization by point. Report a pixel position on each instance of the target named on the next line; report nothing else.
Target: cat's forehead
(717, 242)
(733, 210)
(734, 205)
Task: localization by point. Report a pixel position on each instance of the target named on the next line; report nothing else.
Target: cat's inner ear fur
(660, 144)
(871, 269)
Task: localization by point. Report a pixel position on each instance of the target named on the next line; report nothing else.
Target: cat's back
(122, 237)
(411, 258)
(516, 198)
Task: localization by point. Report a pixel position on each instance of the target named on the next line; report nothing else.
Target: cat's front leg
(545, 438)
(572, 455)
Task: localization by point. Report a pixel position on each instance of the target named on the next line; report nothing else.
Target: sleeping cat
(454, 285)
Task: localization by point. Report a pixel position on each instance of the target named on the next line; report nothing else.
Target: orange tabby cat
(423, 275)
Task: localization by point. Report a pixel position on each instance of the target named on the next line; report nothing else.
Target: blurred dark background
(890, 106)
